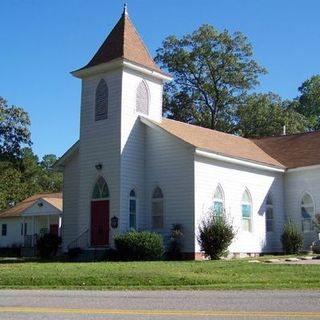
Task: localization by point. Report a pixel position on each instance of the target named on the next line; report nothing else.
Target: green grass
(235, 274)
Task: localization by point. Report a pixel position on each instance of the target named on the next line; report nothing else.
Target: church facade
(131, 168)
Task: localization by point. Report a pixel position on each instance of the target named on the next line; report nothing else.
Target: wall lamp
(98, 166)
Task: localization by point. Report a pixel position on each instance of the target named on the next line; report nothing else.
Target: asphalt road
(109, 305)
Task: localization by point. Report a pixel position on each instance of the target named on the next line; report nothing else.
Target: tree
(215, 236)
(12, 188)
(212, 70)
(14, 130)
(309, 101)
(262, 115)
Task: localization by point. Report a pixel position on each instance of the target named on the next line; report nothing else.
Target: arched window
(246, 208)
(142, 103)
(100, 189)
(132, 210)
(101, 106)
(157, 208)
(269, 214)
(307, 213)
(218, 202)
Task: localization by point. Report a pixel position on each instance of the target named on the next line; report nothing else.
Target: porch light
(98, 166)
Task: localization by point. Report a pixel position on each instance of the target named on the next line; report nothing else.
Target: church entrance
(100, 214)
(99, 223)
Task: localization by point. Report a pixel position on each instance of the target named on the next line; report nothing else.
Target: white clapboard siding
(70, 201)
(234, 179)
(169, 165)
(297, 182)
(13, 237)
(133, 142)
(99, 143)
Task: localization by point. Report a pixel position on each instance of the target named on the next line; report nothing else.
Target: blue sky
(43, 40)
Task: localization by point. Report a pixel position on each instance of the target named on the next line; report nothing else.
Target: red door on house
(54, 229)
(99, 223)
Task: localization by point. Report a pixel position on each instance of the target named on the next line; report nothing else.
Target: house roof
(123, 42)
(55, 199)
(292, 151)
(218, 142)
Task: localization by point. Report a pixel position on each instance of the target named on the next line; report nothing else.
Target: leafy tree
(14, 130)
(291, 238)
(212, 71)
(215, 236)
(309, 101)
(262, 115)
(12, 188)
(51, 181)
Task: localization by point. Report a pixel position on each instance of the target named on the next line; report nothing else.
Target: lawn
(235, 274)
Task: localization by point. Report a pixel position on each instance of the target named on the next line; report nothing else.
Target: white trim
(61, 162)
(313, 167)
(245, 163)
(115, 64)
(144, 70)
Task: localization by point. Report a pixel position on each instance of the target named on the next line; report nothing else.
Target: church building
(132, 168)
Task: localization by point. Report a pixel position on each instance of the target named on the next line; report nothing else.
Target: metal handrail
(80, 242)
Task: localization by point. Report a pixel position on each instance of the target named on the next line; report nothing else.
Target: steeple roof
(124, 42)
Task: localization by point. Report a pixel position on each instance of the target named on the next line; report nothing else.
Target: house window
(142, 103)
(100, 189)
(246, 208)
(307, 213)
(132, 210)
(101, 105)
(269, 214)
(157, 208)
(4, 229)
(218, 202)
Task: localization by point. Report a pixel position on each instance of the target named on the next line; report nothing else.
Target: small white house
(131, 168)
(22, 224)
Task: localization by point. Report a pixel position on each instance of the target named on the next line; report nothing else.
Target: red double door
(99, 223)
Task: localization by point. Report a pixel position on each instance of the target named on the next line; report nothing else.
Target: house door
(99, 223)
(54, 229)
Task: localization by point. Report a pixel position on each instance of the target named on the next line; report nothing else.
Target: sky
(42, 41)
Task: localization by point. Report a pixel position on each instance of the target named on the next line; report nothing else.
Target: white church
(132, 168)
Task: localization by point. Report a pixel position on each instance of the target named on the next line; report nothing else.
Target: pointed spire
(124, 42)
(125, 9)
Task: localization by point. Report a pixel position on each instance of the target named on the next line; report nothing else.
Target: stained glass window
(246, 207)
(100, 189)
(307, 213)
(218, 202)
(132, 210)
(157, 208)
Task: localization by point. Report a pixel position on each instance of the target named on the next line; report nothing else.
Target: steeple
(123, 42)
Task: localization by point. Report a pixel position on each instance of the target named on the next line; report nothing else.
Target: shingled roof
(218, 142)
(293, 151)
(123, 42)
(55, 199)
(286, 152)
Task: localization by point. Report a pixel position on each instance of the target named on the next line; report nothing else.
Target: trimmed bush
(139, 245)
(292, 239)
(175, 243)
(47, 245)
(215, 236)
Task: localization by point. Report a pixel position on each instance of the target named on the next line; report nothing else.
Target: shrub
(215, 236)
(292, 240)
(47, 245)
(175, 242)
(139, 245)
